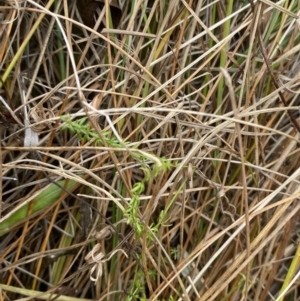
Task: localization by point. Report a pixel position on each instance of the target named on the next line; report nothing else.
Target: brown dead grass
(231, 199)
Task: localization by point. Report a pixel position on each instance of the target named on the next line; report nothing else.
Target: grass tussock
(154, 157)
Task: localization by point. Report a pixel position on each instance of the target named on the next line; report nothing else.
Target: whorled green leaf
(45, 199)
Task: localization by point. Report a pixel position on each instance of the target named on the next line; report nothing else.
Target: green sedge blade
(42, 201)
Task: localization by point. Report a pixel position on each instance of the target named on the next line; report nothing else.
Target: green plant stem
(23, 45)
(223, 58)
(39, 295)
(291, 272)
